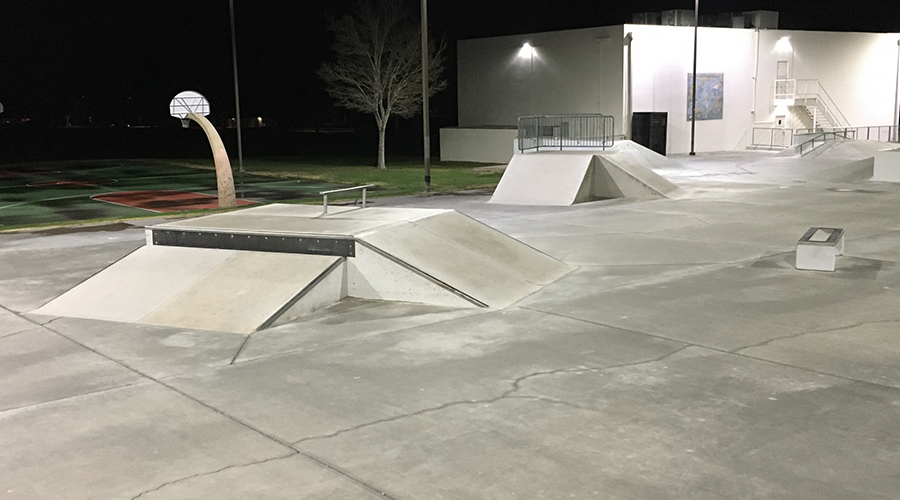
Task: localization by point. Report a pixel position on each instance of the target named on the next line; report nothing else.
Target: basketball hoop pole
(237, 99)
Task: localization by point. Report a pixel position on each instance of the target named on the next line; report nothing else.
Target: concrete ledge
(489, 145)
(887, 166)
(817, 248)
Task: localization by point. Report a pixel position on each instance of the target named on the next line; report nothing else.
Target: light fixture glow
(784, 45)
(526, 51)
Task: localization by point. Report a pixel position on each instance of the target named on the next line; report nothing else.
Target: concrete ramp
(260, 267)
(207, 289)
(564, 178)
(468, 256)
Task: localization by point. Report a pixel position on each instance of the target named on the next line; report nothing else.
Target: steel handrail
(885, 133)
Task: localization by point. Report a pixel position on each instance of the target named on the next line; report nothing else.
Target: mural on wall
(710, 88)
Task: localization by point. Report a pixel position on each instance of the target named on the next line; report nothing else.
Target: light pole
(237, 99)
(426, 129)
(896, 97)
(694, 74)
(527, 50)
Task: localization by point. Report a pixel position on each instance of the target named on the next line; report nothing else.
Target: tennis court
(37, 193)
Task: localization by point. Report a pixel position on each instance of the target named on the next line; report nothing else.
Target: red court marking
(164, 201)
(73, 184)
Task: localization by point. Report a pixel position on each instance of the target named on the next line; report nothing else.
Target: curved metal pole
(694, 84)
(224, 181)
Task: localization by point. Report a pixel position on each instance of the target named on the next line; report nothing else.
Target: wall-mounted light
(526, 51)
(784, 45)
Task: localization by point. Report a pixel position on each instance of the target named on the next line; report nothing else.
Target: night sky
(121, 62)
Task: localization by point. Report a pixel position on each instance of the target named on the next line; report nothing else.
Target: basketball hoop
(188, 102)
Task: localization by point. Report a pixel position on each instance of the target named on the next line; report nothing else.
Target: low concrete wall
(887, 166)
(490, 145)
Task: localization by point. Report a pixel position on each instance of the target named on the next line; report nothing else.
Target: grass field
(402, 177)
(34, 194)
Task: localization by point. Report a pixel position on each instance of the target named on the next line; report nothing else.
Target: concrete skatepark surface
(683, 357)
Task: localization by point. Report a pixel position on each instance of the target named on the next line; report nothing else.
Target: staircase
(813, 115)
(811, 103)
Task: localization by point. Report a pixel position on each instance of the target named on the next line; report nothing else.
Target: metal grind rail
(342, 190)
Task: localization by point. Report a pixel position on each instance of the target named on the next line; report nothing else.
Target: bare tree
(378, 68)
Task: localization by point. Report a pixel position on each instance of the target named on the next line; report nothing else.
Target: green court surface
(51, 192)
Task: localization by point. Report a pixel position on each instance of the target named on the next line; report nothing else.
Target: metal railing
(326, 193)
(565, 131)
(883, 133)
(819, 140)
(771, 137)
(810, 92)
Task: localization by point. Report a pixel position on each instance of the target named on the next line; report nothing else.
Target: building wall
(585, 71)
(662, 60)
(492, 145)
(858, 70)
(577, 71)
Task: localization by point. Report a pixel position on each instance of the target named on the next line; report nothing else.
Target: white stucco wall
(478, 144)
(585, 71)
(858, 70)
(663, 57)
(577, 71)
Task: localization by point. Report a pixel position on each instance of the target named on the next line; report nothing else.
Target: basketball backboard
(188, 102)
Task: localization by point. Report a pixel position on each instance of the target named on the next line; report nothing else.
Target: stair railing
(788, 91)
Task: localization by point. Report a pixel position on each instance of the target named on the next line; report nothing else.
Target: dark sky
(122, 61)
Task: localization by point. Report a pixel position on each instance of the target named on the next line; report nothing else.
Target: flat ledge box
(818, 247)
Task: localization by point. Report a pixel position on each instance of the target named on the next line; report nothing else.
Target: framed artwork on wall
(710, 95)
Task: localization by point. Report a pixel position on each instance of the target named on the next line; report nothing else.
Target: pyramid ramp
(626, 170)
(256, 268)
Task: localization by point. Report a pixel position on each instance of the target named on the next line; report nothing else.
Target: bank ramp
(251, 269)
(626, 170)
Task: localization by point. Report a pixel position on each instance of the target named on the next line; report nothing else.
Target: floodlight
(526, 51)
(784, 45)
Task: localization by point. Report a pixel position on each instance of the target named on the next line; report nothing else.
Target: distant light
(784, 45)
(526, 51)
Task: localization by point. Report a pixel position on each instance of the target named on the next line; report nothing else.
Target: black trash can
(649, 130)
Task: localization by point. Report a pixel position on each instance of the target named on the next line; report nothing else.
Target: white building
(826, 79)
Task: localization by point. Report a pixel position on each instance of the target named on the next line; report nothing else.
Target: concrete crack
(516, 385)
(201, 474)
(813, 332)
(398, 417)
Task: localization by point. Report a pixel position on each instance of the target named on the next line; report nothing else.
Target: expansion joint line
(232, 418)
(173, 389)
(747, 356)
